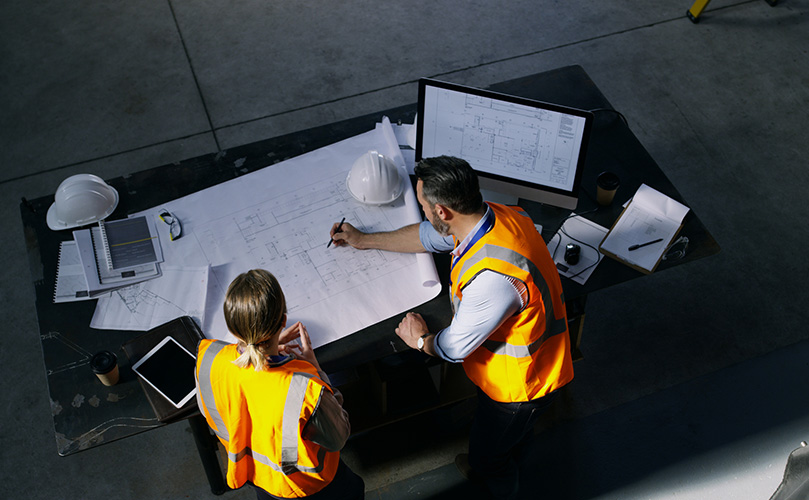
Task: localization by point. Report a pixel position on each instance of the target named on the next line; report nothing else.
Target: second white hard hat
(81, 199)
(374, 179)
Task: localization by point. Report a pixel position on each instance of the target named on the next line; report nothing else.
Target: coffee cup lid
(608, 180)
(103, 362)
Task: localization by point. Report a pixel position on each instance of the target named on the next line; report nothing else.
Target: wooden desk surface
(87, 414)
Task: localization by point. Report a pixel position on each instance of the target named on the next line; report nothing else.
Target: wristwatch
(421, 341)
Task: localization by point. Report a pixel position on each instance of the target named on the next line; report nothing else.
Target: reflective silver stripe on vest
(293, 406)
(553, 326)
(292, 412)
(285, 469)
(206, 389)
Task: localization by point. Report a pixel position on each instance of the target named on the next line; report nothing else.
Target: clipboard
(649, 216)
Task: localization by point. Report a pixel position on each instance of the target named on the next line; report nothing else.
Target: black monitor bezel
(588, 125)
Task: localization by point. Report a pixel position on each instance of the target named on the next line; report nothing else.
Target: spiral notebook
(128, 243)
(93, 250)
(75, 281)
(71, 285)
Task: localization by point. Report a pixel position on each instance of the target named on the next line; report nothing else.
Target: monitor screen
(519, 147)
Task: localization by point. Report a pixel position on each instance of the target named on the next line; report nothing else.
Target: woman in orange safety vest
(270, 404)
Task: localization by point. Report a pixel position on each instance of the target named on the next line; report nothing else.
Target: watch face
(420, 343)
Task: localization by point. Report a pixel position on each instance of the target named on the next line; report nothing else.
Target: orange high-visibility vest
(528, 356)
(259, 418)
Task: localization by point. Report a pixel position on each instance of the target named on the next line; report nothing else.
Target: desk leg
(207, 448)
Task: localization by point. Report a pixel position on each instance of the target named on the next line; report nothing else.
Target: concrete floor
(692, 379)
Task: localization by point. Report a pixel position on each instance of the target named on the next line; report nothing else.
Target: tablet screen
(169, 368)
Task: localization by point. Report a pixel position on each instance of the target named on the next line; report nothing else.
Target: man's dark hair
(451, 182)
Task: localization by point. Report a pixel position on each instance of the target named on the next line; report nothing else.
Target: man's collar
(464, 244)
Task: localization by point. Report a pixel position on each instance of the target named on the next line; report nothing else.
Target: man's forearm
(405, 240)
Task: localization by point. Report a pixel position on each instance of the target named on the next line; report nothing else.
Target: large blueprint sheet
(278, 218)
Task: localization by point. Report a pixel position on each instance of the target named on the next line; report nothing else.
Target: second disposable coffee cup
(105, 366)
(606, 185)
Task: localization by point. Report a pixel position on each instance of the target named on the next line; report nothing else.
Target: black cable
(562, 229)
(571, 216)
(558, 243)
(610, 110)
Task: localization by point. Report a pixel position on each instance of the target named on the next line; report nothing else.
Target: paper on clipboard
(648, 217)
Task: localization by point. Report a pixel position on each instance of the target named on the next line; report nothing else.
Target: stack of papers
(645, 229)
(107, 257)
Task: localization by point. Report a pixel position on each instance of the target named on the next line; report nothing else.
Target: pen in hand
(339, 227)
(641, 245)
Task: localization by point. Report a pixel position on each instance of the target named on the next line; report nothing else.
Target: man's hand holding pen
(344, 233)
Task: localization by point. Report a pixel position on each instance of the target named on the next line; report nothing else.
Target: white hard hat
(81, 199)
(374, 179)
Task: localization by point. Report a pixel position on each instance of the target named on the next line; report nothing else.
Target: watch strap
(422, 341)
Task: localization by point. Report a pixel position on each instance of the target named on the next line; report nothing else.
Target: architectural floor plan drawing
(530, 141)
(288, 236)
(278, 218)
(533, 144)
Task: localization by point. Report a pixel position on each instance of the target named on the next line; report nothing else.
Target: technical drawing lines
(141, 301)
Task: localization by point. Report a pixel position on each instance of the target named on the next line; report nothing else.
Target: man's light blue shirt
(488, 300)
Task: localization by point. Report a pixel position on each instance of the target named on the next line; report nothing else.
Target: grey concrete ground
(678, 358)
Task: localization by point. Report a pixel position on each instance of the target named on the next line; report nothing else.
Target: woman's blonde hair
(255, 310)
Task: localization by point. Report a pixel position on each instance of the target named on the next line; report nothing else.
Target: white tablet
(169, 368)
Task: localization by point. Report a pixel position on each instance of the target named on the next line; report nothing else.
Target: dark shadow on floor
(595, 455)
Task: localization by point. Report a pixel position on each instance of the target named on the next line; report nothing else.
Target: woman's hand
(304, 350)
(289, 334)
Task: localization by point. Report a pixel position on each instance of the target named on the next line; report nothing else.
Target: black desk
(87, 414)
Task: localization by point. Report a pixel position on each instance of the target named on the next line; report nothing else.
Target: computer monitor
(519, 147)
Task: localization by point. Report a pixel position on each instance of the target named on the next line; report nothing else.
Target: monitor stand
(496, 197)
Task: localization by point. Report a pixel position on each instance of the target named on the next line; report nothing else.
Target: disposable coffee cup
(105, 366)
(607, 183)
